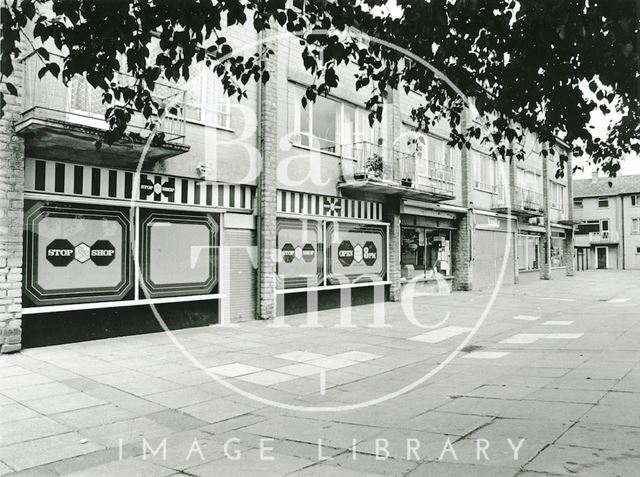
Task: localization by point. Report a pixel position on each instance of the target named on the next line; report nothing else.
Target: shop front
(326, 245)
(558, 247)
(426, 235)
(101, 245)
(528, 252)
(493, 246)
(425, 250)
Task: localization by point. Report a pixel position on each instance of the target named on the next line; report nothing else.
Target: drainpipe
(622, 242)
(258, 201)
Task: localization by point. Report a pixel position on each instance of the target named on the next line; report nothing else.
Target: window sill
(320, 151)
(211, 126)
(485, 190)
(438, 179)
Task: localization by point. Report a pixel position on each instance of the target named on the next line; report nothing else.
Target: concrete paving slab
(37, 452)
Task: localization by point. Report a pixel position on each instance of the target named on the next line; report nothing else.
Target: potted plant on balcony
(407, 182)
(374, 165)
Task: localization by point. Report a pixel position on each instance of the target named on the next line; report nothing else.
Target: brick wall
(462, 238)
(391, 214)
(11, 215)
(545, 243)
(569, 242)
(267, 186)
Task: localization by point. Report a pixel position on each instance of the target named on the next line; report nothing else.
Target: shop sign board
(357, 252)
(60, 253)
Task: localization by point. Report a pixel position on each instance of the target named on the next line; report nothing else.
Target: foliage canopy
(525, 63)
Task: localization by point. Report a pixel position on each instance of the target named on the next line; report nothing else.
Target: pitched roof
(619, 185)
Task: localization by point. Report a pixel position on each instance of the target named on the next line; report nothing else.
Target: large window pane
(76, 254)
(178, 253)
(357, 253)
(325, 124)
(301, 251)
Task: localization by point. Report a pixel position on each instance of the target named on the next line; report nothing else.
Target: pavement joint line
(557, 299)
(486, 355)
(618, 300)
(440, 334)
(530, 338)
(526, 317)
(557, 323)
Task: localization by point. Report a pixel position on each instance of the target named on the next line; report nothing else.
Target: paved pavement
(554, 363)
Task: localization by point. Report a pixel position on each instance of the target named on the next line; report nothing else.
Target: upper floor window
(557, 195)
(635, 200)
(603, 202)
(332, 126)
(434, 157)
(577, 203)
(635, 226)
(484, 172)
(529, 180)
(206, 100)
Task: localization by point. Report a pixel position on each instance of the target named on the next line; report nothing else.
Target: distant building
(608, 216)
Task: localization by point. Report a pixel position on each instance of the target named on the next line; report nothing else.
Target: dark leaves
(12, 89)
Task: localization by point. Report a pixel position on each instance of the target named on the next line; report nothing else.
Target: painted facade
(608, 216)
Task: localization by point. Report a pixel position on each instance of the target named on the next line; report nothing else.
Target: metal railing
(366, 160)
(604, 236)
(518, 199)
(79, 103)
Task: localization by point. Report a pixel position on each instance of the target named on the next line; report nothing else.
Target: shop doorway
(582, 259)
(602, 258)
(425, 251)
(528, 252)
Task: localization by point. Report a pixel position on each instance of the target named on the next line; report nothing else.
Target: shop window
(603, 202)
(301, 251)
(426, 251)
(76, 254)
(357, 253)
(178, 253)
(528, 252)
(557, 252)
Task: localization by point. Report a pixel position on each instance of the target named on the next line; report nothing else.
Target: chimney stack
(594, 177)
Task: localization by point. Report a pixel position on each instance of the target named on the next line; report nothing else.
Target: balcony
(518, 201)
(603, 237)
(63, 121)
(373, 169)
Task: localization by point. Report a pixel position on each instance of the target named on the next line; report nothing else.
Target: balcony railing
(79, 103)
(369, 161)
(605, 236)
(518, 200)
